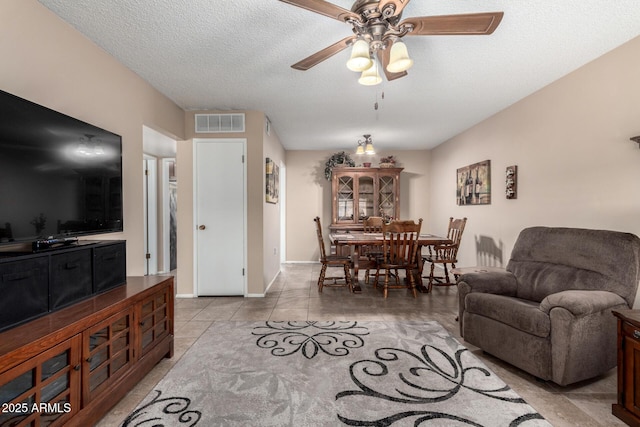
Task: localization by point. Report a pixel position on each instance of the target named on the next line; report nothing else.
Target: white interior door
(220, 194)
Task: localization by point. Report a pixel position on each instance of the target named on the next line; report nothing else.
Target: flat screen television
(60, 177)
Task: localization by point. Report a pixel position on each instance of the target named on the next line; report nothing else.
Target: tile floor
(294, 296)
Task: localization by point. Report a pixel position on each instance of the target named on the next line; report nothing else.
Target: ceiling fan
(378, 29)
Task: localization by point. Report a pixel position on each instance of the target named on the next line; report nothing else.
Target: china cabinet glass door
(387, 197)
(345, 198)
(365, 197)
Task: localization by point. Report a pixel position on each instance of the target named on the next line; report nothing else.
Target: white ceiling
(236, 54)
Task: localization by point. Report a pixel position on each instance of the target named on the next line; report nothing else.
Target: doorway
(160, 189)
(220, 216)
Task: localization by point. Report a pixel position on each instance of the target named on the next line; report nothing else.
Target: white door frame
(283, 213)
(150, 186)
(195, 208)
(166, 214)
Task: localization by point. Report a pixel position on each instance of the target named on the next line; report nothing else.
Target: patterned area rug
(330, 374)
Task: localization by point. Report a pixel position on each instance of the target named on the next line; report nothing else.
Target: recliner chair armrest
(501, 283)
(494, 282)
(580, 303)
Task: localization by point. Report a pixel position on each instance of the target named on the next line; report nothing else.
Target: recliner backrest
(546, 260)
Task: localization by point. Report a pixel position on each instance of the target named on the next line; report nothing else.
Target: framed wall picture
(272, 181)
(473, 184)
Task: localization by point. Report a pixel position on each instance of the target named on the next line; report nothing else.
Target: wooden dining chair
(445, 255)
(399, 252)
(370, 254)
(332, 261)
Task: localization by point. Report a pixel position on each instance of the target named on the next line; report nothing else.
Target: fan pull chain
(375, 105)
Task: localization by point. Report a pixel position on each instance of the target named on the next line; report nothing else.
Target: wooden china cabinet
(358, 193)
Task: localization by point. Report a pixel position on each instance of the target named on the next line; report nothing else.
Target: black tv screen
(59, 177)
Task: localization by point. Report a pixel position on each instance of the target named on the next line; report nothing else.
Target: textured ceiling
(236, 54)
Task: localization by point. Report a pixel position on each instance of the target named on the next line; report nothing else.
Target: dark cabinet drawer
(24, 290)
(109, 266)
(71, 274)
(631, 331)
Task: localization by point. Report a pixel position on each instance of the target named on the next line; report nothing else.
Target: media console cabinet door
(107, 349)
(154, 319)
(44, 390)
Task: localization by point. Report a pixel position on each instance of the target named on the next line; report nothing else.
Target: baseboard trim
(301, 262)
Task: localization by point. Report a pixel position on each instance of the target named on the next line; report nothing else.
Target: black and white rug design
(331, 374)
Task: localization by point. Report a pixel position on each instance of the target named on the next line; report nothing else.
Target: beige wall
(272, 211)
(260, 267)
(309, 194)
(48, 62)
(576, 165)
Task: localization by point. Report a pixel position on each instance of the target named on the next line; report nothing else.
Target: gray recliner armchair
(549, 314)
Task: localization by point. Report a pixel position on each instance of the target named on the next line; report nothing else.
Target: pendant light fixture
(365, 146)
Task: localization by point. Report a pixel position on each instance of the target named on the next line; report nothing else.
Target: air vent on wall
(218, 123)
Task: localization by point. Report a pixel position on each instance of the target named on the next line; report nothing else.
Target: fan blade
(399, 4)
(472, 23)
(325, 8)
(323, 54)
(383, 58)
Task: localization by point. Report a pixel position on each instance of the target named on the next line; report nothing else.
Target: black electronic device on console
(40, 245)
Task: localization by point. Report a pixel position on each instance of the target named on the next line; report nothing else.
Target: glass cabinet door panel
(365, 197)
(98, 338)
(98, 358)
(55, 364)
(17, 386)
(345, 198)
(55, 387)
(98, 377)
(387, 197)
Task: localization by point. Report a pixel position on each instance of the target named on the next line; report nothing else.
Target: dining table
(356, 240)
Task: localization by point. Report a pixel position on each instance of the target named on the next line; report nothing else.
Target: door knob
(202, 227)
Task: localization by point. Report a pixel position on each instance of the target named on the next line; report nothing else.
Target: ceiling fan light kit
(370, 76)
(378, 28)
(399, 58)
(360, 59)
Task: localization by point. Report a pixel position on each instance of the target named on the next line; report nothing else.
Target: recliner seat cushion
(518, 313)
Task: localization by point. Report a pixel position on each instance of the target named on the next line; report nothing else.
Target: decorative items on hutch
(358, 193)
(340, 159)
(388, 162)
(512, 182)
